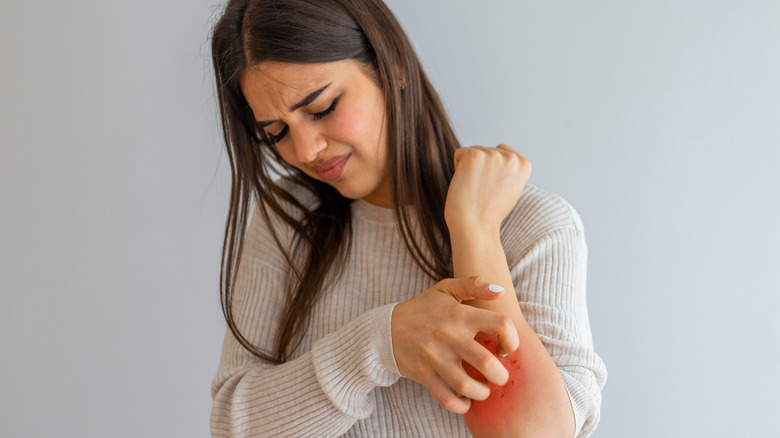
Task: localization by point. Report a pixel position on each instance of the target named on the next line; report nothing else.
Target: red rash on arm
(497, 412)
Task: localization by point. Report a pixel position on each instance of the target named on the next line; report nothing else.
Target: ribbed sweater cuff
(350, 362)
(580, 406)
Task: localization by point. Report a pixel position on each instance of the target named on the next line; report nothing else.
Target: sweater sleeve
(321, 392)
(550, 282)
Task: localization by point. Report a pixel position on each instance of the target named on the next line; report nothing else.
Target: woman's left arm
(534, 402)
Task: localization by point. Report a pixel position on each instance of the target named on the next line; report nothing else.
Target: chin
(350, 191)
(354, 195)
(354, 191)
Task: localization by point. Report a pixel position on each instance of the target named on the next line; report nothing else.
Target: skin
(356, 126)
(437, 341)
(485, 188)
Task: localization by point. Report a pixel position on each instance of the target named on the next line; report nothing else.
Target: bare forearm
(479, 252)
(534, 401)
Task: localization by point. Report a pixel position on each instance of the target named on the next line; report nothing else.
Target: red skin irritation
(493, 417)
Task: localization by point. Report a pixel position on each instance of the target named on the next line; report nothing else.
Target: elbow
(227, 418)
(227, 421)
(221, 421)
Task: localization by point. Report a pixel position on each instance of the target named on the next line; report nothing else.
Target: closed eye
(280, 136)
(322, 114)
(316, 116)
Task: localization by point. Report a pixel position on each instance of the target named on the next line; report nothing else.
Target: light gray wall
(659, 121)
(114, 192)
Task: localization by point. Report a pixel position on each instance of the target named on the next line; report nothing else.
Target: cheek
(349, 126)
(287, 154)
(360, 123)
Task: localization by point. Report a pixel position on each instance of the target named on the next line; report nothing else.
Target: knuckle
(439, 332)
(460, 384)
(442, 284)
(483, 362)
(474, 281)
(505, 323)
(477, 161)
(464, 153)
(450, 403)
(525, 163)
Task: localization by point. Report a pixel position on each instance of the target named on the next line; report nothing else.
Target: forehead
(271, 88)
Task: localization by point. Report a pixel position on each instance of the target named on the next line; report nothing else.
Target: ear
(401, 76)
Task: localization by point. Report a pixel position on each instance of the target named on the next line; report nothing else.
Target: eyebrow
(305, 101)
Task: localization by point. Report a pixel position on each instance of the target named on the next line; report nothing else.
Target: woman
(374, 290)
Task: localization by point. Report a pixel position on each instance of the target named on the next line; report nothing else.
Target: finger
(470, 288)
(456, 378)
(481, 359)
(445, 396)
(524, 162)
(494, 323)
(462, 152)
(458, 155)
(500, 326)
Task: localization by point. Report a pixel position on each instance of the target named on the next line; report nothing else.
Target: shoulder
(539, 214)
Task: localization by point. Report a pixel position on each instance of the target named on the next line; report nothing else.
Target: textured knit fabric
(343, 380)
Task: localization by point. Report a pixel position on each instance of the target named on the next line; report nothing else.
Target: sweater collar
(374, 213)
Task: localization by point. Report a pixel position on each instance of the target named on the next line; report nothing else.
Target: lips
(332, 168)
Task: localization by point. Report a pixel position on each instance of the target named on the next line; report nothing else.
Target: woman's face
(328, 120)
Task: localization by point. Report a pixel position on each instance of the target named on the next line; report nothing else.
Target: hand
(433, 334)
(485, 187)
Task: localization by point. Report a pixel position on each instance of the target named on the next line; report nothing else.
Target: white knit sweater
(343, 380)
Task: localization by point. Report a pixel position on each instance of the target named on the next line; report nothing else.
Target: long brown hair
(420, 158)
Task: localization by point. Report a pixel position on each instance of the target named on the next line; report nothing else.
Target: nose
(308, 143)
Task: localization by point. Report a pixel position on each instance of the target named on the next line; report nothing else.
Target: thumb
(470, 288)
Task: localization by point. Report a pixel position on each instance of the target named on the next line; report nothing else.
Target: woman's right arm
(326, 390)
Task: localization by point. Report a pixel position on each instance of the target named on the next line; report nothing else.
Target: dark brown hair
(420, 157)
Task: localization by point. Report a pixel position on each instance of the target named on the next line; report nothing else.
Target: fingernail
(495, 288)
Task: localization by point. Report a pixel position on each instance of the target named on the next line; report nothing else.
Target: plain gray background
(658, 120)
